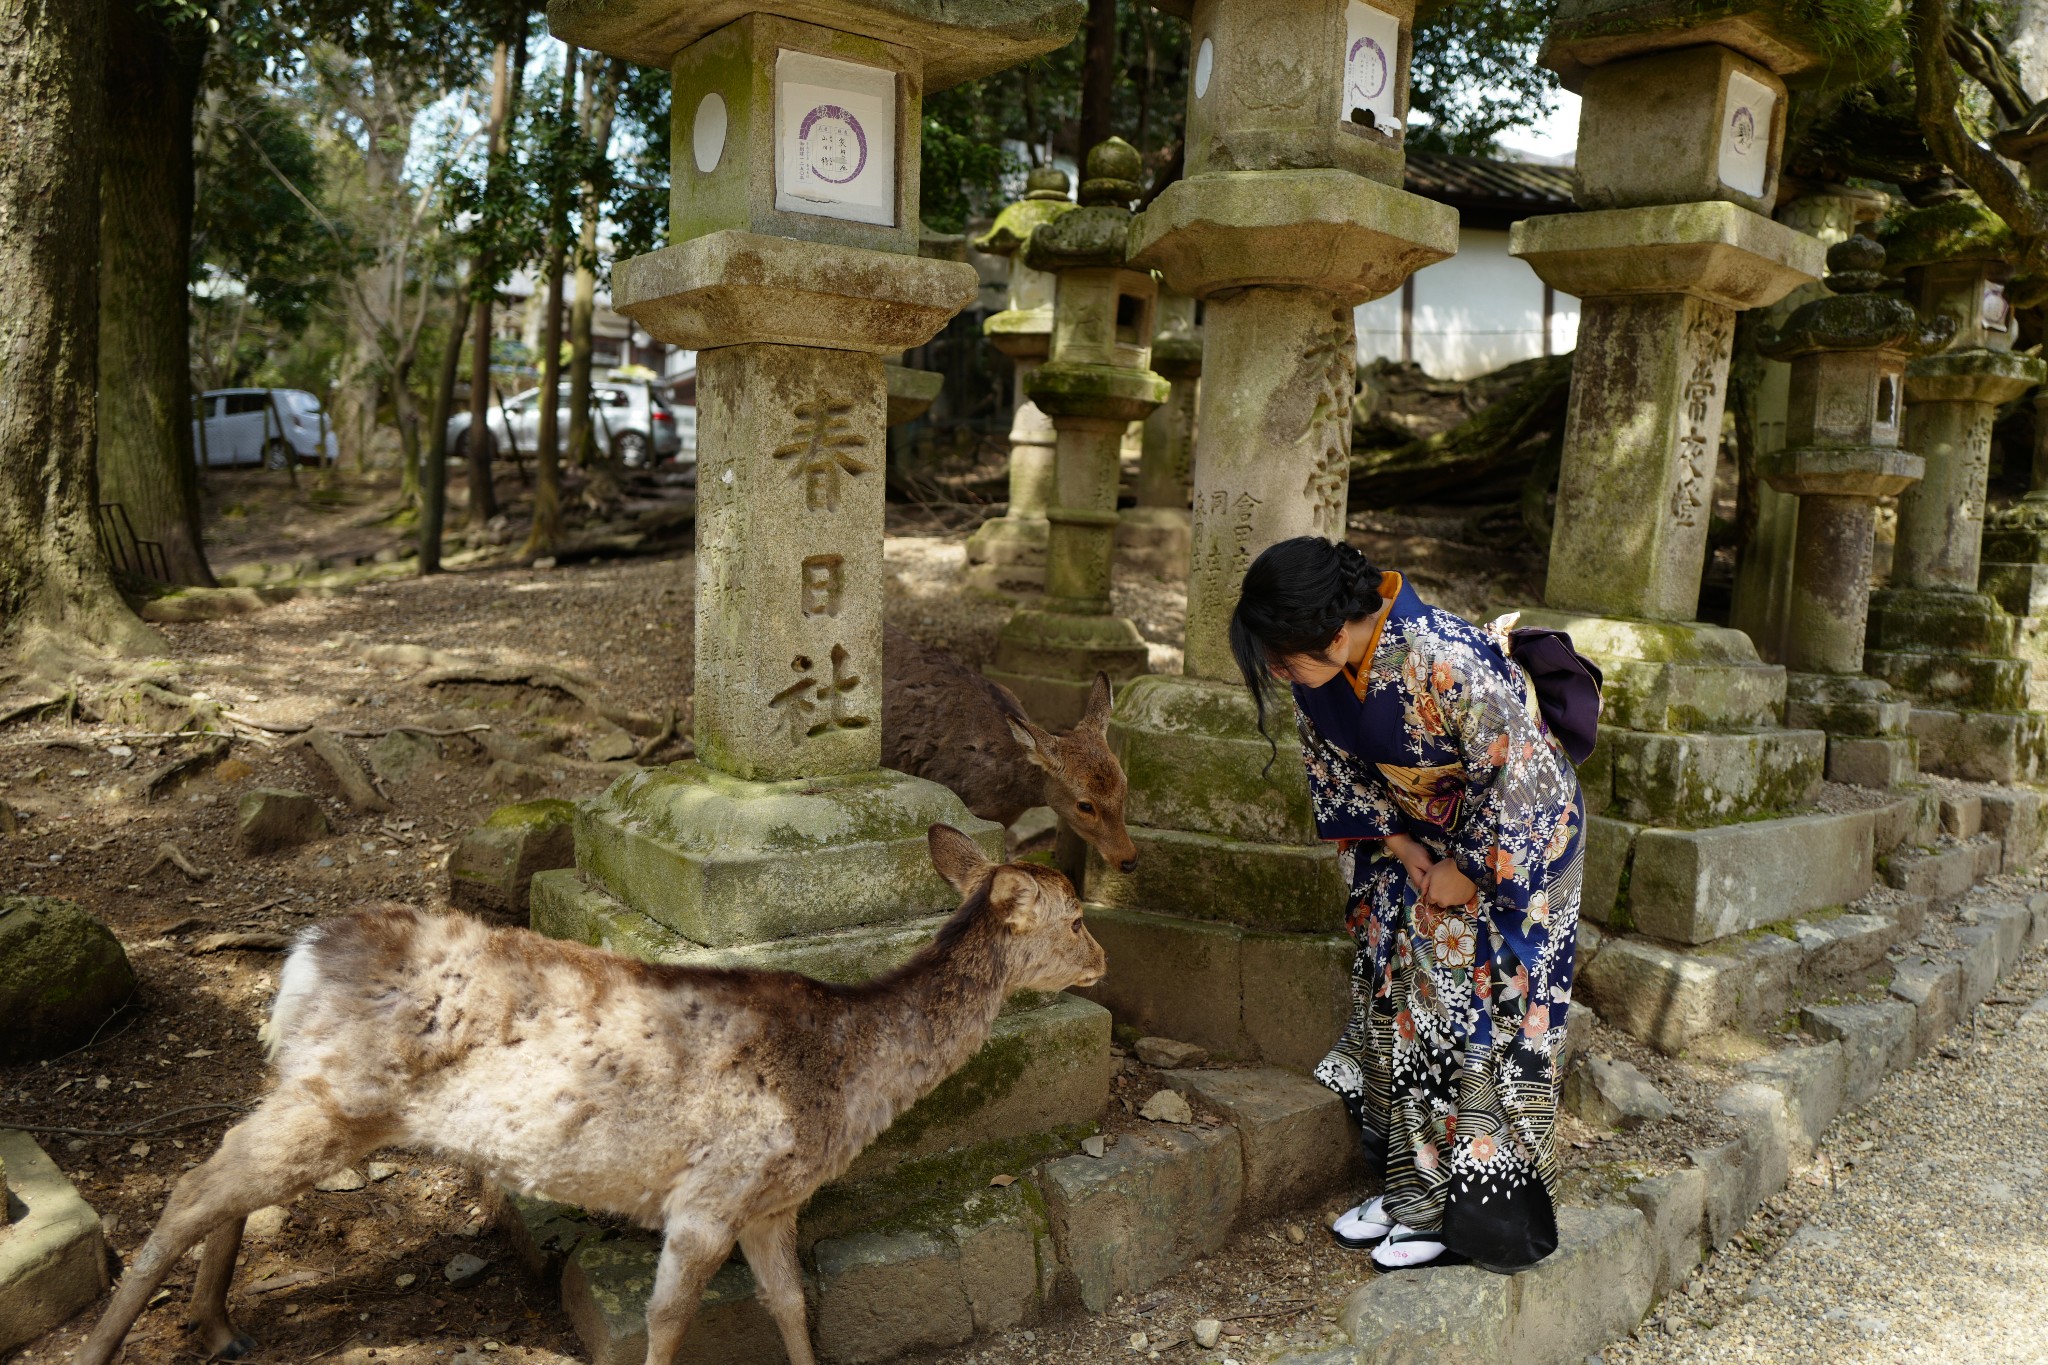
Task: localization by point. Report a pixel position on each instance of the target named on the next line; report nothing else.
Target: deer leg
(691, 1252)
(266, 1159)
(210, 1293)
(770, 1246)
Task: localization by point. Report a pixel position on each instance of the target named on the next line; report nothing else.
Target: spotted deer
(707, 1103)
(943, 721)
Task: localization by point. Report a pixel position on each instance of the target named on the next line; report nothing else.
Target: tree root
(550, 679)
(168, 852)
(244, 940)
(355, 784)
(210, 750)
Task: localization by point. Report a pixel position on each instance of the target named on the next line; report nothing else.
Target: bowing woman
(1461, 825)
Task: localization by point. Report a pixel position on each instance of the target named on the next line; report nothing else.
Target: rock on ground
(268, 819)
(62, 975)
(1610, 1093)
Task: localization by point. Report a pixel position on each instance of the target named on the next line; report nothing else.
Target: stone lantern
(1934, 634)
(913, 391)
(1007, 553)
(1094, 383)
(794, 269)
(1848, 357)
(1290, 215)
(1157, 529)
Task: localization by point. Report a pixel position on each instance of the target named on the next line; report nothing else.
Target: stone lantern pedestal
(1933, 634)
(1007, 553)
(1848, 357)
(2015, 569)
(1158, 530)
(1290, 216)
(794, 270)
(1093, 385)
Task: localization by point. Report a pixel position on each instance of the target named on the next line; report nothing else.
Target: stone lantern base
(1956, 655)
(2015, 575)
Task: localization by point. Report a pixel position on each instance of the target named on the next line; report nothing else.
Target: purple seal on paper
(835, 147)
(1743, 124)
(1366, 65)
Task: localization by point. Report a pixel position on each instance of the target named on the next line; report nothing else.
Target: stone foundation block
(1999, 745)
(1722, 1190)
(1195, 761)
(1609, 846)
(1941, 875)
(1291, 887)
(1841, 945)
(1876, 1039)
(1674, 676)
(53, 1255)
(492, 868)
(1939, 622)
(1990, 855)
(1701, 779)
(2011, 924)
(1278, 998)
(1932, 989)
(1883, 763)
(1673, 1206)
(2014, 815)
(1961, 816)
(1976, 959)
(1593, 1289)
(1006, 1260)
(883, 1293)
(1769, 1133)
(605, 1287)
(2022, 589)
(1125, 1221)
(1418, 1317)
(1299, 1144)
(1959, 681)
(1669, 996)
(544, 1233)
(1812, 1081)
(1694, 886)
(1912, 819)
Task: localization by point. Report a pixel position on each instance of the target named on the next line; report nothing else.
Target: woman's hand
(1444, 885)
(1414, 857)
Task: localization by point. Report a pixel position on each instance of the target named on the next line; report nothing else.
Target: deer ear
(958, 858)
(1014, 894)
(1096, 717)
(1037, 743)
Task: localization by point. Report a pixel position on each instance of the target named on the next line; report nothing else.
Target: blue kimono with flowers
(1449, 1063)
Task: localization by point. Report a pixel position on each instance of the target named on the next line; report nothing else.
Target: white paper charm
(835, 138)
(1372, 44)
(1746, 134)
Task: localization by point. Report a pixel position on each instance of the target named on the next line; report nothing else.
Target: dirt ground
(358, 1275)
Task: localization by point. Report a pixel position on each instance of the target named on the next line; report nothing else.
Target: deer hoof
(237, 1347)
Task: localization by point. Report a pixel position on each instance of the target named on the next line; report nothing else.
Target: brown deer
(943, 721)
(707, 1103)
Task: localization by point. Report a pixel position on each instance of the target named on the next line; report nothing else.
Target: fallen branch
(168, 852)
(211, 749)
(355, 783)
(243, 940)
(140, 1128)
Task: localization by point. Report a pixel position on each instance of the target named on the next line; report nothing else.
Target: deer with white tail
(707, 1103)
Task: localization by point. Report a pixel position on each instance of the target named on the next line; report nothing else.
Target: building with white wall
(1482, 308)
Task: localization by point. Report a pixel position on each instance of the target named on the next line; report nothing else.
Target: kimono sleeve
(1347, 794)
(1517, 788)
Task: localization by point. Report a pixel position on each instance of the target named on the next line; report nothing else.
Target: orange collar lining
(1390, 588)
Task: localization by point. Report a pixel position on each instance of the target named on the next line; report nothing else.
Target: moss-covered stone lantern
(1156, 531)
(1934, 634)
(1007, 553)
(1094, 383)
(1848, 355)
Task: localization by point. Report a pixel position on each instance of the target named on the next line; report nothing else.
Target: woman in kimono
(1461, 825)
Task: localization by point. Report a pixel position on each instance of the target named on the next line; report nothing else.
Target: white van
(259, 426)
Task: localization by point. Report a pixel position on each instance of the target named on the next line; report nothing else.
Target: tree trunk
(1098, 79)
(53, 575)
(434, 477)
(600, 102)
(546, 532)
(483, 498)
(145, 409)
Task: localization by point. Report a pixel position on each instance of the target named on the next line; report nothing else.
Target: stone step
(1272, 886)
(1982, 746)
(53, 1253)
(1964, 681)
(975, 1259)
(1944, 874)
(1682, 676)
(1196, 762)
(1884, 762)
(1926, 621)
(1046, 1063)
(1700, 779)
(1246, 994)
(2020, 545)
(2022, 589)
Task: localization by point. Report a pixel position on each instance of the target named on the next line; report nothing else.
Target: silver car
(625, 417)
(261, 426)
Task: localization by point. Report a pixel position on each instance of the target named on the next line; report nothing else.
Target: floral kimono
(1449, 1063)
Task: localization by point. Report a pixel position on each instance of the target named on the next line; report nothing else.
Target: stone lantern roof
(1590, 33)
(1954, 228)
(1854, 317)
(960, 39)
(1045, 200)
(1098, 232)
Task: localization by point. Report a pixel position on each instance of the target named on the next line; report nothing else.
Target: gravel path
(1918, 1234)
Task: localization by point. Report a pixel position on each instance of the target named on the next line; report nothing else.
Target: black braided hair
(1295, 598)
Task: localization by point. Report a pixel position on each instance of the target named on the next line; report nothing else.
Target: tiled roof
(1481, 184)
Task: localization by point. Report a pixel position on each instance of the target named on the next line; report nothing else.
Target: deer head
(1084, 784)
(1046, 947)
